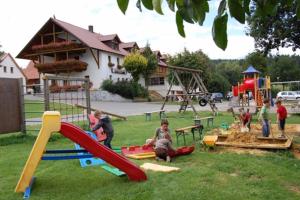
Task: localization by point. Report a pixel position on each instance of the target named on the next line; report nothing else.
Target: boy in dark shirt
(105, 123)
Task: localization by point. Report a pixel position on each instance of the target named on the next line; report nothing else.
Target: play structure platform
(52, 123)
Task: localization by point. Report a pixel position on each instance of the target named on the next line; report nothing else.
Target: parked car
(217, 97)
(229, 96)
(288, 95)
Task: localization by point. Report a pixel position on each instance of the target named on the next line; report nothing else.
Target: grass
(203, 174)
(38, 107)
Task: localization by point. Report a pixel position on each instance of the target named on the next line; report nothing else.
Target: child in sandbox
(246, 119)
(264, 118)
(105, 123)
(163, 132)
(281, 116)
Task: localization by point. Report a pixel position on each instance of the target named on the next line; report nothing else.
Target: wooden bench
(162, 114)
(210, 120)
(184, 131)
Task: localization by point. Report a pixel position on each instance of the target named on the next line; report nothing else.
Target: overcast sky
(21, 19)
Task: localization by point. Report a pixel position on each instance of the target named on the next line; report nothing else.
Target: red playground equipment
(259, 87)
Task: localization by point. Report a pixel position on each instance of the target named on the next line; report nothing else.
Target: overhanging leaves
(219, 31)
(148, 4)
(157, 6)
(236, 10)
(179, 22)
(123, 4)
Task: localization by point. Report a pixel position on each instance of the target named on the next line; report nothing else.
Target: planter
(56, 46)
(62, 66)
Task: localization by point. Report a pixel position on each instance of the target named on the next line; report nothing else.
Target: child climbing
(281, 116)
(105, 123)
(264, 118)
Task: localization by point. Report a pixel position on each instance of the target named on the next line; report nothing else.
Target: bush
(125, 89)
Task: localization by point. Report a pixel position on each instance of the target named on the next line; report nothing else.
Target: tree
(285, 68)
(194, 12)
(1, 52)
(273, 31)
(258, 60)
(218, 83)
(151, 63)
(194, 60)
(135, 64)
(231, 70)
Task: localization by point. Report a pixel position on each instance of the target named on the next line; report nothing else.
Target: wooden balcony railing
(62, 66)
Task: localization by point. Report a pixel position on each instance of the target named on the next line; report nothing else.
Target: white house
(10, 69)
(64, 49)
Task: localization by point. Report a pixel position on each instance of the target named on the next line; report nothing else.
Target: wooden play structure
(260, 87)
(192, 86)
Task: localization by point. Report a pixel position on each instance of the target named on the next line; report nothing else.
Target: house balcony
(63, 66)
(57, 46)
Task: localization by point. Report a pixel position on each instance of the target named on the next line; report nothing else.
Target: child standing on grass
(281, 116)
(264, 118)
(105, 123)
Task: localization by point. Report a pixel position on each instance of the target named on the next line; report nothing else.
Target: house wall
(9, 63)
(98, 74)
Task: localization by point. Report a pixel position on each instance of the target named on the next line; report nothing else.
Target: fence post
(46, 93)
(21, 102)
(87, 94)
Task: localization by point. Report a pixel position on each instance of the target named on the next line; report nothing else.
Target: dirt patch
(294, 188)
(253, 139)
(256, 152)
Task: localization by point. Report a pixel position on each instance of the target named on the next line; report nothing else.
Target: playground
(228, 174)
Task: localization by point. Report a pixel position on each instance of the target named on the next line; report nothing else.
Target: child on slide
(105, 123)
(163, 132)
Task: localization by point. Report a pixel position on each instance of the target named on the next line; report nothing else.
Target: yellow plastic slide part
(50, 123)
(210, 140)
(141, 155)
(158, 168)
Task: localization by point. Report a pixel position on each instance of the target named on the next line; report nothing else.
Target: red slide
(78, 136)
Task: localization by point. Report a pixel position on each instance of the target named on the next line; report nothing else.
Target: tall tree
(231, 70)
(194, 60)
(285, 68)
(194, 12)
(152, 62)
(281, 29)
(135, 64)
(1, 52)
(258, 60)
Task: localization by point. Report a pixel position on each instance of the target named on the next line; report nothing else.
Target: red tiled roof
(31, 72)
(109, 37)
(127, 45)
(88, 38)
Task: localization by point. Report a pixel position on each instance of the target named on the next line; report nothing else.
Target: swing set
(192, 86)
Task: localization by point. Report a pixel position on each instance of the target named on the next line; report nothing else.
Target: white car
(288, 95)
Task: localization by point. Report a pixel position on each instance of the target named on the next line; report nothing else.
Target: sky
(20, 20)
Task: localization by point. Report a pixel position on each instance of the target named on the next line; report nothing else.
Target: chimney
(91, 28)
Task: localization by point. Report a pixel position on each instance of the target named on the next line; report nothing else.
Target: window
(109, 59)
(11, 70)
(66, 82)
(157, 81)
(118, 80)
(118, 61)
(110, 77)
(4, 69)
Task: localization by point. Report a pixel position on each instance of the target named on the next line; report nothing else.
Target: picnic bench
(186, 130)
(210, 120)
(162, 114)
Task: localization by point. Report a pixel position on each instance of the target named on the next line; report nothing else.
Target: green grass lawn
(38, 107)
(203, 175)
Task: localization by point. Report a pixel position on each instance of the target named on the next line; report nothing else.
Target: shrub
(125, 89)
